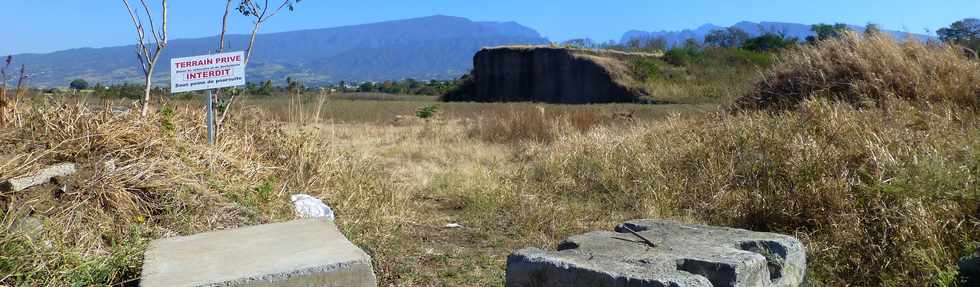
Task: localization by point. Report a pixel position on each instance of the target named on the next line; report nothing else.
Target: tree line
(964, 33)
(268, 88)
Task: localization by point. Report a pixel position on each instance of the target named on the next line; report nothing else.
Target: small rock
(109, 166)
(41, 177)
(28, 226)
(310, 207)
(120, 110)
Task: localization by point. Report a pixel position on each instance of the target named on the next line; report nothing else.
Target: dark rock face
(550, 75)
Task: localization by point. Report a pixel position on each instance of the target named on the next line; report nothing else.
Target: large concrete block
(307, 252)
(681, 255)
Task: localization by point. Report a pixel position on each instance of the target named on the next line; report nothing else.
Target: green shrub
(770, 43)
(427, 111)
(717, 56)
(78, 84)
(737, 57)
(646, 68)
(681, 57)
(464, 89)
(167, 119)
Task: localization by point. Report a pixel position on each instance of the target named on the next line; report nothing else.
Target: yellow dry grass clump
(863, 69)
(892, 195)
(137, 179)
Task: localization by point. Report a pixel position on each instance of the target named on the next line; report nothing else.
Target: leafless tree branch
(149, 18)
(3, 79)
(281, 6)
(147, 58)
(260, 15)
(224, 27)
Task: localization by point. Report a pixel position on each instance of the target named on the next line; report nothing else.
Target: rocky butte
(551, 75)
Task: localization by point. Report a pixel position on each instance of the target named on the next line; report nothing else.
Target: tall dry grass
(879, 199)
(863, 69)
(514, 126)
(890, 192)
(540, 125)
(137, 180)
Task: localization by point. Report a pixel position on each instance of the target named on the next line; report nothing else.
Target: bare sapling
(3, 79)
(224, 26)
(261, 12)
(4, 102)
(224, 30)
(148, 57)
(8, 105)
(216, 96)
(18, 94)
(319, 105)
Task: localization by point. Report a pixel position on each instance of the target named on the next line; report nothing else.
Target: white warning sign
(207, 72)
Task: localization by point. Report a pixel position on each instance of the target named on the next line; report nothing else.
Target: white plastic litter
(454, 225)
(311, 207)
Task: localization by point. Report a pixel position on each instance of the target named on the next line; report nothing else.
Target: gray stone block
(682, 255)
(307, 252)
(40, 177)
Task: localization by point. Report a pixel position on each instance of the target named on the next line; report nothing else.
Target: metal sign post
(210, 117)
(207, 72)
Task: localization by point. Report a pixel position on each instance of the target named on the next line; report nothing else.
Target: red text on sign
(209, 74)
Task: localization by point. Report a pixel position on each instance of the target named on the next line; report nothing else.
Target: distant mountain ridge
(436, 47)
(800, 31)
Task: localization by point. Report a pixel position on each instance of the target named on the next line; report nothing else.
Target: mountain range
(799, 31)
(436, 47)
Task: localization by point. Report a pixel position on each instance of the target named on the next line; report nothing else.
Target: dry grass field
(881, 195)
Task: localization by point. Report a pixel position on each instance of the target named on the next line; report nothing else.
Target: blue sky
(50, 25)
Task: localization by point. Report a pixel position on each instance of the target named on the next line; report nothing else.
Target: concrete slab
(681, 255)
(40, 177)
(307, 252)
